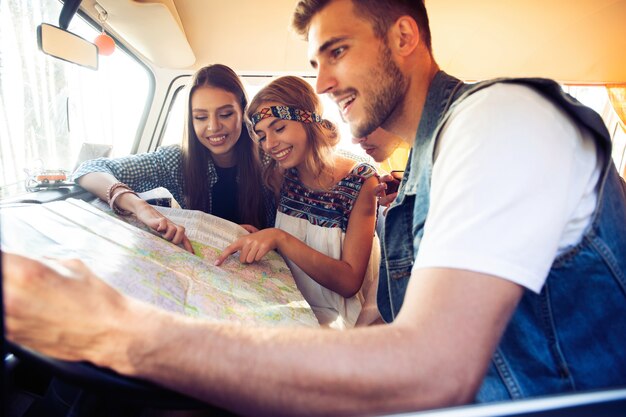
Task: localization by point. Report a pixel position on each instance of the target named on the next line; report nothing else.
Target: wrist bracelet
(114, 187)
(116, 209)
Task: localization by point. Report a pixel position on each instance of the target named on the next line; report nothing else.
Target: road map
(145, 266)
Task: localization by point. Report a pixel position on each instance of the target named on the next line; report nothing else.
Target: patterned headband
(288, 113)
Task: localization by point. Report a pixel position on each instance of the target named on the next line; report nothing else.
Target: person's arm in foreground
(435, 353)
(355, 253)
(99, 183)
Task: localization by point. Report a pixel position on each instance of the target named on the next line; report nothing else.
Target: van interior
(64, 100)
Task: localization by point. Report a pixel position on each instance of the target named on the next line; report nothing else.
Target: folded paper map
(145, 266)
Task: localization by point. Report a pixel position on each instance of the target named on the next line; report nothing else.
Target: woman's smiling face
(284, 140)
(217, 121)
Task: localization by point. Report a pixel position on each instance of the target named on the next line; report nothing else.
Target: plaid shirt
(162, 168)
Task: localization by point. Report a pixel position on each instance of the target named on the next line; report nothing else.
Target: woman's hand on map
(169, 230)
(254, 246)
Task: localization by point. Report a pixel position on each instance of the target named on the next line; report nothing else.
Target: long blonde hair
(321, 137)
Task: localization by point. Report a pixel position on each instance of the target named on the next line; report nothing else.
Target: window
(175, 121)
(597, 98)
(49, 108)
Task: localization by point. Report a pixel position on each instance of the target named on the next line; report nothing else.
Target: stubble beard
(385, 95)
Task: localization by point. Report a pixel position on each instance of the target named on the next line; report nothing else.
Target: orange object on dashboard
(47, 177)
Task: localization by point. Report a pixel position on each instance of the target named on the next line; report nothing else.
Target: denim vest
(571, 336)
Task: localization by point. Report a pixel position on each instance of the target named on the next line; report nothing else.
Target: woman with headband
(216, 170)
(326, 206)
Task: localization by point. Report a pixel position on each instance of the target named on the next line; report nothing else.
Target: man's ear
(404, 35)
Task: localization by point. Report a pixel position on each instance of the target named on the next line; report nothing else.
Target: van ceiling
(573, 41)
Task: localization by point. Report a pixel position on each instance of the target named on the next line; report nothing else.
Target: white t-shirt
(513, 186)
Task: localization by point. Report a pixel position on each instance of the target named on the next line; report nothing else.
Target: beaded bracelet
(114, 187)
(116, 209)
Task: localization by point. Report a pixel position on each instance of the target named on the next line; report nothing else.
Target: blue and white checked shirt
(162, 168)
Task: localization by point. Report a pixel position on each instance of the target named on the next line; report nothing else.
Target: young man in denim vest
(516, 275)
(505, 226)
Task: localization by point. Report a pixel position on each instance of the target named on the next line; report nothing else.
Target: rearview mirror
(67, 46)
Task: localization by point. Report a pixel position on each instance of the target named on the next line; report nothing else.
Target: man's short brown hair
(380, 13)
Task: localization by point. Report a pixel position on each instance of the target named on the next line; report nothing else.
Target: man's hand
(63, 310)
(381, 190)
(254, 246)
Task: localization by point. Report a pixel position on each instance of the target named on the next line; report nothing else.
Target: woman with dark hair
(217, 169)
(326, 209)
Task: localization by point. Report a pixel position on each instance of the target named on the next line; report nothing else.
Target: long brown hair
(321, 138)
(196, 156)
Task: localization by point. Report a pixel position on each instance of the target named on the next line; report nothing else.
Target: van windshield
(49, 108)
